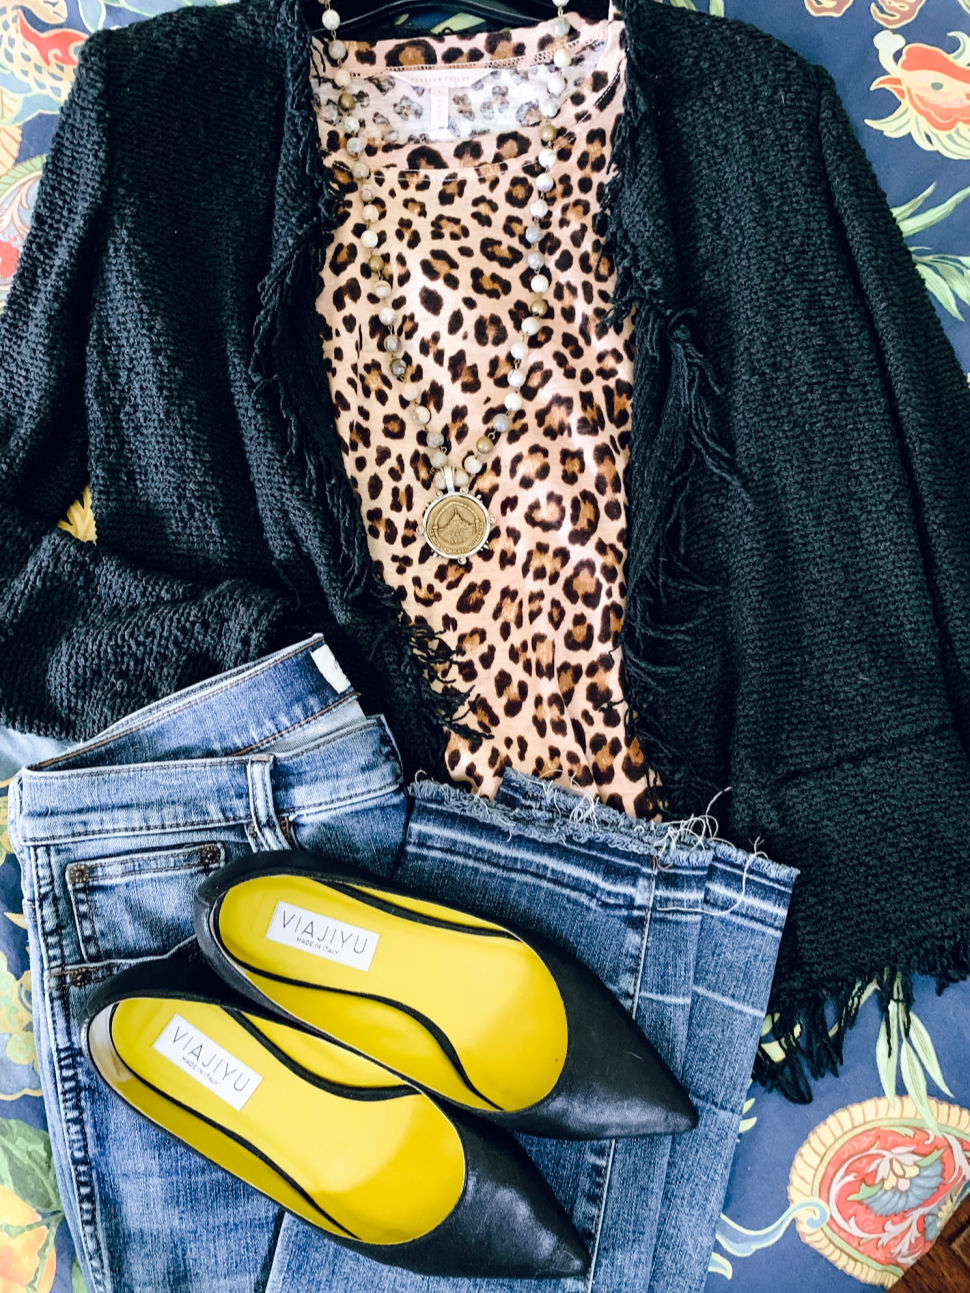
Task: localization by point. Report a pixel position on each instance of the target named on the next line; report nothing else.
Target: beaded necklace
(456, 523)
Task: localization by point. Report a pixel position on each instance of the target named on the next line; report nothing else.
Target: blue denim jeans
(114, 835)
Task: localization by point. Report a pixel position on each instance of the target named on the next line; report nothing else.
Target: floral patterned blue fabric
(846, 1191)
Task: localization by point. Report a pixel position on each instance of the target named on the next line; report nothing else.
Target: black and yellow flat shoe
(500, 1024)
(338, 1140)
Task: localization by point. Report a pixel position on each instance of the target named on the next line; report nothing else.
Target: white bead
(370, 212)
(411, 390)
(530, 325)
(381, 290)
(362, 170)
(549, 107)
(539, 283)
(337, 50)
(439, 479)
(562, 58)
(547, 158)
(539, 208)
(533, 234)
(519, 350)
(513, 401)
(500, 422)
(369, 238)
(516, 377)
(367, 193)
(560, 27)
(387, 316)
(435, 439)
(351, 125)
(472, 465)
(543, 183)
(392, 344)
(355, 146)
(536, 260)
(461, 478)
(423, 415)
(341, 78)
(439, 458)
(556, 84)
(330, 19)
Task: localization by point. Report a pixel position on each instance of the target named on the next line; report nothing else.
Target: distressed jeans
(113, 837)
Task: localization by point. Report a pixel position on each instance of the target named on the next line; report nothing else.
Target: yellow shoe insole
(382, 1170)
(474, 1014)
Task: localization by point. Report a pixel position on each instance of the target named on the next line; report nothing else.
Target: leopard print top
(451, 128)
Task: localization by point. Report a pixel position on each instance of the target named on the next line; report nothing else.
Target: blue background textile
(852, 1188)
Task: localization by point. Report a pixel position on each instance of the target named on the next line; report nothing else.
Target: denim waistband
(290, 719)
(269, 699)
(95, 803)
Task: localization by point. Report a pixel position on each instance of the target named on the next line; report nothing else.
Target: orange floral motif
(896, 13)
(891, 13)
(54, 46)
(20, 1253)
(933, 89)
(934, 85)
(9, 255)
(827, 8)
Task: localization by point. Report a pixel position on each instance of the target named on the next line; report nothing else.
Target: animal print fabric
(532, 619)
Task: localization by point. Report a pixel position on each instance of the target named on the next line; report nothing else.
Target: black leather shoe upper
(506, 1222)
(612, 1083)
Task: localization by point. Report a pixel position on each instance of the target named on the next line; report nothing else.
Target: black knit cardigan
(798, 575)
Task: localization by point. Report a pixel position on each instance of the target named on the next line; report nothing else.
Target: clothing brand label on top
(206, 1061)
(445, 78)
(334, 940)
(438, 82)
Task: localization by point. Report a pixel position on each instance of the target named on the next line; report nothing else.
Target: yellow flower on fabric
(80, 519)
(22, 1240)
(15, 1017)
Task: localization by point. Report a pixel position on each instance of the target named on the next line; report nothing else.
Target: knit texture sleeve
(931, 401)
(81, 628)
(870, 648)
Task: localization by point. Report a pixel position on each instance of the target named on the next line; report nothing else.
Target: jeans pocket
(139, 903)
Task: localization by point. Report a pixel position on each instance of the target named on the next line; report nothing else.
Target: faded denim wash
(113, 837)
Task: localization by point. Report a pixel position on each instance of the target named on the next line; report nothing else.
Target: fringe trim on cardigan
(807, 1038)
(415, 663)
(666, 453)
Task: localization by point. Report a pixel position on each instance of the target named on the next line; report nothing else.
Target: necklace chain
(456, 523)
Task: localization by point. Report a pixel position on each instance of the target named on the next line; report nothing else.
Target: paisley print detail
(886, 1181)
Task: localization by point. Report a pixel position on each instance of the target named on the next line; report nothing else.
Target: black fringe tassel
(665, 599)
(810, 1035)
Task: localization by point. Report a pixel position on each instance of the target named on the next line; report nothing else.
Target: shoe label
(207, 1062)
(334, 940)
